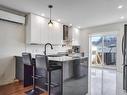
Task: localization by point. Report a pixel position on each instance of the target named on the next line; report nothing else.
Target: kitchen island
(71, 65)
(75, 74)
(72, 68)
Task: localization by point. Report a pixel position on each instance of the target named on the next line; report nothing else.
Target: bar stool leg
(34, 76)
(34, 91)
(62, 80)
(49, 83)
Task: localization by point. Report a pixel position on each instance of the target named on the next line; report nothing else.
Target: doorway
(102, 64)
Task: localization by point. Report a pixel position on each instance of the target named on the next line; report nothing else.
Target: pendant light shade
(50, 21)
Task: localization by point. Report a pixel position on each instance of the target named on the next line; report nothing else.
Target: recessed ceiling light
(70, 24)
(58, 20)
(120, 6)
(122, 17)
(42, 14)
(79, 27)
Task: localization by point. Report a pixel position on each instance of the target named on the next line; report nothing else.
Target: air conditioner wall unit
(12, 17)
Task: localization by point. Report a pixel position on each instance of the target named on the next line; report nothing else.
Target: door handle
(123, 39)
(124, 65)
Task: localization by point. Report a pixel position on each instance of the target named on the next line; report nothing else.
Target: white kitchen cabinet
(33, 29)
(38, 31)
(74, 35)
(44, 31)
(53, 35)
(57, 34)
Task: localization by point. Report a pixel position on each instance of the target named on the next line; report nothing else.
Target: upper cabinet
(57, 33)
(38, 31)
(74, 34)
(65, 32)
(33, 29)
(71, 35)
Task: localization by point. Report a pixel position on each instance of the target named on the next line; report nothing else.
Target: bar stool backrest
(27, 58)
(41, 64)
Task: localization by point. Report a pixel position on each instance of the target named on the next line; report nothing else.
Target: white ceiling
(84, 13)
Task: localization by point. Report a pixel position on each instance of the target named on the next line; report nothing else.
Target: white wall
(11, 44)
(117, 28)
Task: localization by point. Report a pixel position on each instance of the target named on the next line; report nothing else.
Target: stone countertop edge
(61, 59)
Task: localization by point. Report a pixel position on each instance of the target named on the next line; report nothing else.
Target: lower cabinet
(80, 68)
(23, 72)
(19, 68)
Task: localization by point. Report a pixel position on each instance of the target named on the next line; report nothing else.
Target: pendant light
(50, 21)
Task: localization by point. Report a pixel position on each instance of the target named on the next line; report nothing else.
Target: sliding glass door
(96, 50)
(109, 51)
(102, 64)
(103, 51)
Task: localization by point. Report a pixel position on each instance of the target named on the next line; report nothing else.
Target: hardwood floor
(15, 89)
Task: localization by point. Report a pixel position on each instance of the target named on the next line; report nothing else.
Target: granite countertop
(60, 58)
(64, 58)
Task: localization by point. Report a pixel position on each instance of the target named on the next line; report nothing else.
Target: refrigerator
(124, 51)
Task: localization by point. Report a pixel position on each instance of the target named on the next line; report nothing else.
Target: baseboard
(7, 82)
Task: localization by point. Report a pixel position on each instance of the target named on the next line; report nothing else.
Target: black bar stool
(43, 62)
(27, 60)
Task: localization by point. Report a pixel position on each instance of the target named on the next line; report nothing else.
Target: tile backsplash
(39, 49)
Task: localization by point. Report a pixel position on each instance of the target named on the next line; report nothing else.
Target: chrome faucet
(46, 47)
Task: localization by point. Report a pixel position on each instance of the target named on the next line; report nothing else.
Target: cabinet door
(35, 29)
(75, 36)
(38, 31)
(44, 31)
(53, 35)
(57, 34)
(47, 33)
(65, 32)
